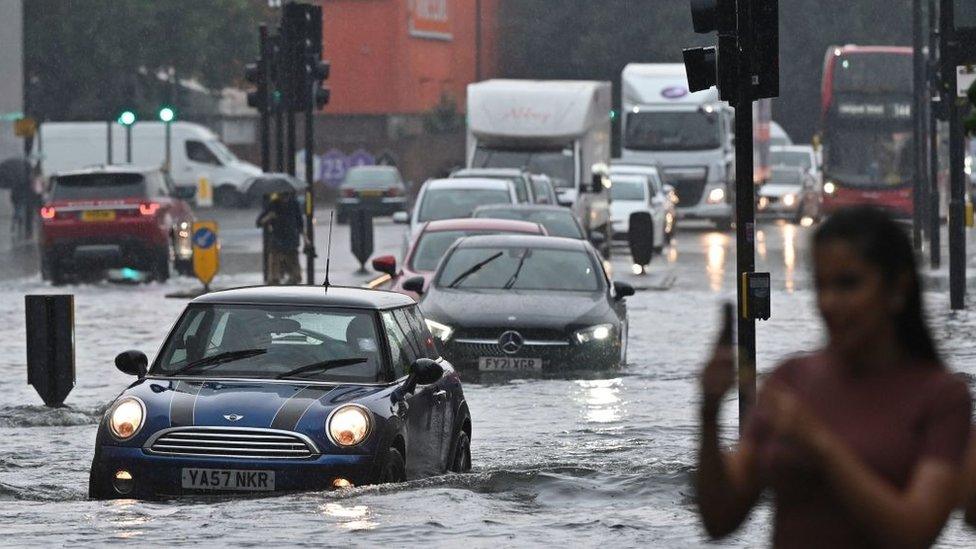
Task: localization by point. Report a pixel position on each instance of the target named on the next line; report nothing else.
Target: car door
(424, 432)
(447, 390)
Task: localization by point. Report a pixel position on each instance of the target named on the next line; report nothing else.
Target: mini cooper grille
(233, 443)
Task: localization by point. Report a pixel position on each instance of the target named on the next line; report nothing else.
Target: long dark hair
(883, 243)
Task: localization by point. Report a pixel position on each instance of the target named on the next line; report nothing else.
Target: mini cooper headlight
(440, 331)
(126, 418)
(600, 332)
(348, 425)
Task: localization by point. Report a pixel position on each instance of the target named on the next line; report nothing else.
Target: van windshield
(672, 131)
(559, 164)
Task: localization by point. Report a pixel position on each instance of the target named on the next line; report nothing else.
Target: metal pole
(957, 153)
(265, 122)
(128, 144)
(290, 147)
(745, 215)
(169, 147)
(310, 188)
(279, 140)
(918, 66)
(108, 133)
(935, 215)
(477, 41)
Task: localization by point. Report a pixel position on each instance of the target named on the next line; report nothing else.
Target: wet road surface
(571, 462)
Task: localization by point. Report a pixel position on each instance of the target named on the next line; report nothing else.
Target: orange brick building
(401, 56)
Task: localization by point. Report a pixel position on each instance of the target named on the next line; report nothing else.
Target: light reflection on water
(715, 249)
(789, 254)
(601, 400)
(349, 517)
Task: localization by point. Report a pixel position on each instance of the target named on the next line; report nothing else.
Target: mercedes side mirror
(401, 217)
(134, 363)
(385, 264)
(414, 284)
(623, 290)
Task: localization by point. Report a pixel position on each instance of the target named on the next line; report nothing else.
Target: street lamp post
(127, 119)
(166, 115)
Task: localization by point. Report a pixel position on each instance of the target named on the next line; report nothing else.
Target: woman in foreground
(861, 443)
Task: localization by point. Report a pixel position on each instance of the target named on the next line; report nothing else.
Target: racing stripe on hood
(181, 406)
(294, 408)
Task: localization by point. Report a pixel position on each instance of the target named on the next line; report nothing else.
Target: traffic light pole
(745, 214)
(265, 122)
(957, 201)
(128, 143)
(310, 190)
(935, 215)
(918, 65)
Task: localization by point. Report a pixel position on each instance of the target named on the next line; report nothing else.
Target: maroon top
(892, 420)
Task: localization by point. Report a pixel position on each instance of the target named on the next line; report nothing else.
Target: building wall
(11, 74)
(401, 56)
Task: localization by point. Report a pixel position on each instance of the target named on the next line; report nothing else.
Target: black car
(377, 190)
(284, 389)
(522, 304)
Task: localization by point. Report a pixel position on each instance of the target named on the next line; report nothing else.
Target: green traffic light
(127, 118)
(167, 114)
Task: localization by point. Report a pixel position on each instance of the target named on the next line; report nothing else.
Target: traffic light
(320, 73)
(302, 68)
(714, 65)
(256, 73)
(127, 118)
(167, 114)
(765, 48)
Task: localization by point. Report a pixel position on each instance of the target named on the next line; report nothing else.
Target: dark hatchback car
(526, 304)
(378, 190)
(284, 389)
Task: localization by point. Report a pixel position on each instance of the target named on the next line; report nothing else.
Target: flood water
(556, 462)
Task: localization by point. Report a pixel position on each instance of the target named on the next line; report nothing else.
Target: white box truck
(558, 128)
(688, 135)
(196, 152)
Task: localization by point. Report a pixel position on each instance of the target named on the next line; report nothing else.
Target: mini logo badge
(511, 342)
(233, 417)
(674, 92)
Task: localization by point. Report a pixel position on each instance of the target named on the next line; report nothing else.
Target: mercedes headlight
(126, 418)
(829, 187)
(789, 200)
(600, 332)
(440, 331)
(716, 196)
(348, 425)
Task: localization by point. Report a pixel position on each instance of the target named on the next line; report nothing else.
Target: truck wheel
(227, 196)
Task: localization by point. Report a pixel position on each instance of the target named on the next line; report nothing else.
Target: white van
(196, 153)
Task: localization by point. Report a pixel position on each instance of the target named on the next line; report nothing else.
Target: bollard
(640, 236)
(361, 234)
(51, 346)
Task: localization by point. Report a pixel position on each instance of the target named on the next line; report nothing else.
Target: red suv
(115, 217)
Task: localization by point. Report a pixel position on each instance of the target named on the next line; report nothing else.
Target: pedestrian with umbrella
(15, 175)
(282, 218)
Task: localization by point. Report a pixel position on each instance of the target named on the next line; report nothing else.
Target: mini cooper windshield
(301, 343)
(520, 269)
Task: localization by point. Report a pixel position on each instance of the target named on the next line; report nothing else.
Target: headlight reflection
(349, 517)
(601, 400)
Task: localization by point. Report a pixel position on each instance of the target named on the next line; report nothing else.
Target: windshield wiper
(323, 366)
(473, 269)
(218, 358)
(511, 281)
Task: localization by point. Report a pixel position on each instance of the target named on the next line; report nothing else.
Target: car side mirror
(385, 264)
(423, 371)
(623, 290)
(134, 363)
(185, 192)
(414, 284)
(401, 218)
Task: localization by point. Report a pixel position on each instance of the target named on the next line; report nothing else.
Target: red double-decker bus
(866, 128)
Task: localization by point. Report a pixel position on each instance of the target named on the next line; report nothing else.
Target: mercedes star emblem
(511, 342)
(233, 417)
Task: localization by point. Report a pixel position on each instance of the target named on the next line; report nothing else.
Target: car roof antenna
(328, 252)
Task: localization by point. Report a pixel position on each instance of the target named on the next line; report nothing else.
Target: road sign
(25, 127)
(206, 251)
(332, 167)
(965, 76)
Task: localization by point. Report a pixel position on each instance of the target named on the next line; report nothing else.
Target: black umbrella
(264, 186)
(15, 172)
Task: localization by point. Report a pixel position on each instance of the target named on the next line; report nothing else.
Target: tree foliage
(88, 59)
(595, 39)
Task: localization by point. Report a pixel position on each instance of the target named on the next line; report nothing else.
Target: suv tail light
(48, 212)
(149, 208)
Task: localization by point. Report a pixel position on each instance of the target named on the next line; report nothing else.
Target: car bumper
(105, 252)
(155, 475)
(721, 211)
(384, 206)
(465, 354)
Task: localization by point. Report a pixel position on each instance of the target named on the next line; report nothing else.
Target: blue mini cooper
(280, 389)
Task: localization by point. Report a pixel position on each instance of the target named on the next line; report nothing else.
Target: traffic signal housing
(714, 65)
(257, 74)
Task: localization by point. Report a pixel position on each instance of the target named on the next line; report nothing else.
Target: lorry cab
(560, 129)
(689, 135)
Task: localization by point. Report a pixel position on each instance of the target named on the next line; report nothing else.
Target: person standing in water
(861, 443)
